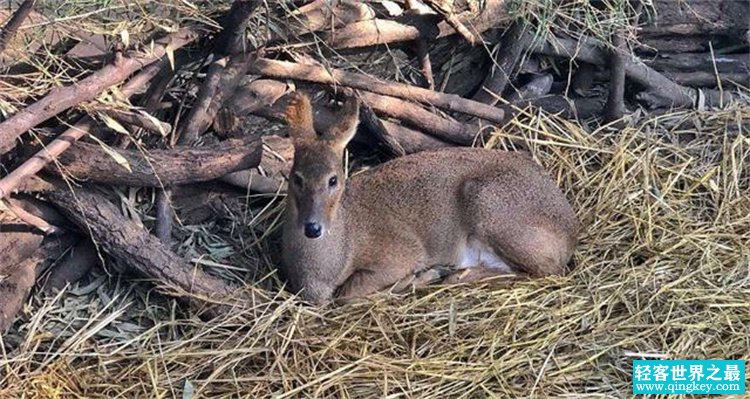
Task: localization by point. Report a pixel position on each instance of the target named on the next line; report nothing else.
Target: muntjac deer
(481, 212)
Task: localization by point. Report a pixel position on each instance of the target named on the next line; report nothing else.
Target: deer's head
(317, 180)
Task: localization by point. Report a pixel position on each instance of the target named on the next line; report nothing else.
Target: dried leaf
(117, 157)
(125, 36)
(113, 124)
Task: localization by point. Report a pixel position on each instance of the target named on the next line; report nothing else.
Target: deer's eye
(333, 181)
(297, 180)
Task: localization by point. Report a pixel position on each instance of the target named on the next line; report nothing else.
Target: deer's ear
(299, 117)
(342, 132)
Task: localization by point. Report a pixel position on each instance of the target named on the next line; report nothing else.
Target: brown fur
(416, 212)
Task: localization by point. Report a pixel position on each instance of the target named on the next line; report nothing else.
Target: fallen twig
(140, 120)
(451, 19)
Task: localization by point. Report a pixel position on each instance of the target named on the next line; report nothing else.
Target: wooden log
(615, 106)
(384, 140)
(690, 25)
(412, 140)
(578, 108)
(709, 79)
(232, 39)
(132, 247)
(160, 167)
(693, 62)
(321, 15)
(222, 78)
(223, 75)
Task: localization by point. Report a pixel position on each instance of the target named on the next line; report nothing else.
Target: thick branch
(615, 107)
(515, 41)
(384, 31)
(380, 133)
(10, 28)
(223, 75)
(222, 78)
(20, 277)
(570, 108)
(231, 40)
(62, 142)
(415, 115)
(325, 15)
(162, 167)
(87, 89)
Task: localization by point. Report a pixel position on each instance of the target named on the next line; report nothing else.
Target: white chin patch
(476, 253)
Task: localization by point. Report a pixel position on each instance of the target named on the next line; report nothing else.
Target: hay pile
(662, 271)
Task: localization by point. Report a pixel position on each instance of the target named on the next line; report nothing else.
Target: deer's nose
(313, 230)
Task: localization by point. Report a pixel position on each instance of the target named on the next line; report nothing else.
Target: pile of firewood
(690, 54)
